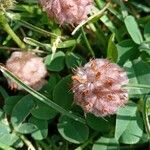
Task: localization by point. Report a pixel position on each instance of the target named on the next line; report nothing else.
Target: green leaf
(138, 73)
(6, 135)
(147, 31)
(48, 88)
(42, 128)
(110, 25)
(62, 94)
(106, 144)
(55, 62)
(127, 49)
(40, 96)
(129, 124)
(144, 139)
(8, 138)
(3, 92)
(54, 79)
(142, 6)
(133, 29)
(72, 131)
(145, 57)
(4, 146)
(99, 124)
(21, 110)
(112, 52)
(26, 128)
(10, 102)
(18, 144)
(4, 128)
(145, 46)
(73, 60)
(42, 111)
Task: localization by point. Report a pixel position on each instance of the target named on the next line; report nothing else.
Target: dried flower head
(98, 88)
(6, 4)
(28, 67)
(67, 11)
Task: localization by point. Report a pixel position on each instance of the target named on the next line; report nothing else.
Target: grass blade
(40, 97)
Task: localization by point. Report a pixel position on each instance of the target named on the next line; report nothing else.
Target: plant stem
(37, 29)
(123, 8)
(43, 145)
(100, 35)
(40, 97)
(87, 43)
(8, 29)
(20, 49)
(145, 116)
(8, 38)
(38, 147)
(138, 86)
(27, 142)
(89, 141)
(54, 46)
(99, 14)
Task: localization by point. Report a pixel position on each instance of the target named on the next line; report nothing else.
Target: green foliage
(55, 62)
(112, 52)
(62, 94)
(10, 102)
(106, 144)
(133, 29)
(147, 31)
(73, 60)
(23, 106)
(7, 137)
(127, 50)
(48, 119)
(73, 131)
(42, 111)
(129, 126)
(42, 128)
(100, 124)
(138, 76)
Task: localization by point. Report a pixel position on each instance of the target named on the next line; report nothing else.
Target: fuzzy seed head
(97, 87)
(67, 11)
(28, 67)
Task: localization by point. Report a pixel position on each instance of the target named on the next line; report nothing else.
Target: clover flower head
(67, 11)
(97, 87)
(28, 67)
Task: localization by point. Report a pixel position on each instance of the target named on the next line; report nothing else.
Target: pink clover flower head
(29, 68)
(67, 11)
(97, 87)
